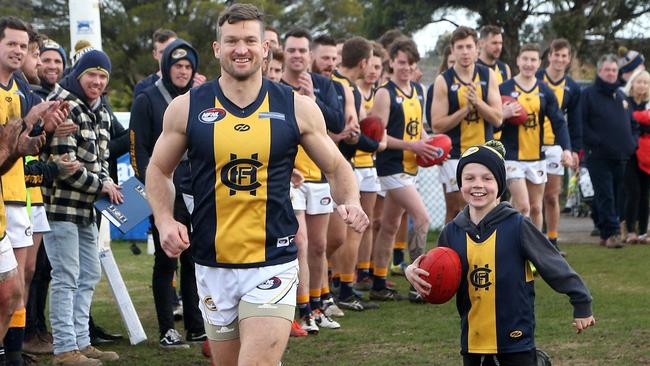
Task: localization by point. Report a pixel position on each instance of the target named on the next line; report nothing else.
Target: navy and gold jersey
(16, 99)
(567, 92)
(473, 129)
(241, 162)
(500, 69)
(364, 159)
(524, 142)
(496, 296)
(328, 101)
(404, 123)
(338, 77)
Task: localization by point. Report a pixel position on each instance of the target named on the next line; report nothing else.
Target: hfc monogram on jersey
(531, 121)
(412, 127)
(480, 277)
(240, 174)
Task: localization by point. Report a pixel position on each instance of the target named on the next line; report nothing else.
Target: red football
(442, 145)
(515, 120)
(372, 127)
(443, 265)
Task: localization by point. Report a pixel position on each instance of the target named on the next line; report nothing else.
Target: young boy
(496, 295)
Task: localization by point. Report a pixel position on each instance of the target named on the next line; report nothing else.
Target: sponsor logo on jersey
(455, 87)
(242, 127)
(399, 99)
(212, 115)
(270, 284)
(514, 94)
(516, 334)
(274, 115)
(284, 242)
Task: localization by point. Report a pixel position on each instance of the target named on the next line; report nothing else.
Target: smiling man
(241, 133)
(72, 244)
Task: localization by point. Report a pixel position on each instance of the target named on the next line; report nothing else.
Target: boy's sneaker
(324, 321)
(308, 324)
(385, 294)
(297, 331)
(172, 340)
(74, 358)
(94, 353)
(330, 308)
(196, 337)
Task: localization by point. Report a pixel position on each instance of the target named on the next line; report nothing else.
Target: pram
(580, 192)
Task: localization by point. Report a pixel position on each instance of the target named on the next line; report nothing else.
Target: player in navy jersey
(567, 93)
(241, 133)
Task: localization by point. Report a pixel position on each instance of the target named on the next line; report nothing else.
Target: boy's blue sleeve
(554, 269)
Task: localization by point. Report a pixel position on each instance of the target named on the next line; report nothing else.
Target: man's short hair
(389, 37)
(12, 22)
(558, 44)
(35, 37)
(354, 50)
(271, 29)
(530, 47)
(378, 50)
(162, 35)
(323, 40)
(462, 32)
(277, 54)
(610, 57)
(407, 46)
(489, 30)
(238, 13)
(298, 33)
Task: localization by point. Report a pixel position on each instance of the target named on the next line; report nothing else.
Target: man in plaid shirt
(72, 244)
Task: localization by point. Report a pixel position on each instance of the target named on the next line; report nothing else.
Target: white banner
(85, 23)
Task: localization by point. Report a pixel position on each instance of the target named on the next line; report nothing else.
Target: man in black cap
(178, 66)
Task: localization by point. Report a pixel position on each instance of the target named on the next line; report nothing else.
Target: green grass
(408, 334)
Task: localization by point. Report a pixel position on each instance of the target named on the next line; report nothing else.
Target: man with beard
(72, 244)
(178, 65)
(491, 45)
(311, 199)
(241, 133)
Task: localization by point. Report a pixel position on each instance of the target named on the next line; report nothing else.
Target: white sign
(85, 23)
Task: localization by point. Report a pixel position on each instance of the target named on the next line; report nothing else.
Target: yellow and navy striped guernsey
(363, 159)
(473, 129)
(14, 104)
(500, 69)
(496, 296)
(524, 142)
(404, 123)
(567, 92)
(241, 161)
